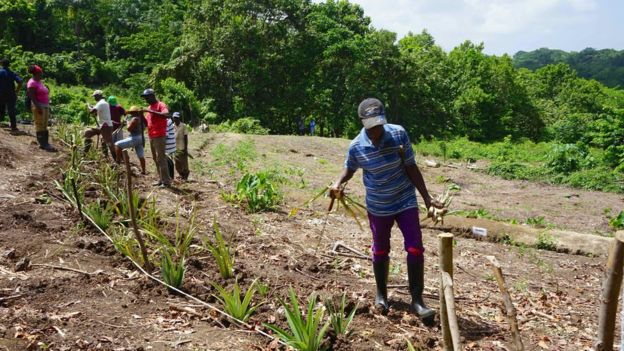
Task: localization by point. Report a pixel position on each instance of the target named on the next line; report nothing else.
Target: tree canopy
(279, 61)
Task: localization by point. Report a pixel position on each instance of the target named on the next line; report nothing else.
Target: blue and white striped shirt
(388, 188)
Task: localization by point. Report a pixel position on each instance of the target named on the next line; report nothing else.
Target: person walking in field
(181, 157)
(39, 96)
(116, 111)
(170, 147)
(157, 115)
(135, 124)
(384, 153)
(8, 93)
(105, 125)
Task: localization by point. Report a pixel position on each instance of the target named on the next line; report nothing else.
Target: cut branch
(510, 310)
(609, 296)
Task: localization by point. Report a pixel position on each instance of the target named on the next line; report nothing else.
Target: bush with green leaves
(567, 158)
(246, 125)
(237, 305)
(257, 192)
(305, 331)
(181, 99)
(617, 222)
(546, 241)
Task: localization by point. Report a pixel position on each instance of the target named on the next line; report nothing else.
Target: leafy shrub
(181, 99)
(617, 222)
(232, 303)
(246, 125)
(306, 332)
(545, 241)
(514, 170)
(257, 191)
(567, 158)
(597, 178)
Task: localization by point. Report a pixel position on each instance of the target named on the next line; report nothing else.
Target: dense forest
(605, 66)
(276, 61)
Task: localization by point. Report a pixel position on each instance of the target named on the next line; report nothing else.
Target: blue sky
(505, 26)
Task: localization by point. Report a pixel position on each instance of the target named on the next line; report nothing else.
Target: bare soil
(114, 307)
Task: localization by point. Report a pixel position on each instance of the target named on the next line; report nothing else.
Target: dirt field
(114, 307)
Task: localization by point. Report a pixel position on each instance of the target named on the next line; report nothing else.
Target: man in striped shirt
(384, 153)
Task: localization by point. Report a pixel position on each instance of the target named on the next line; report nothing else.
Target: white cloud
(501, 24)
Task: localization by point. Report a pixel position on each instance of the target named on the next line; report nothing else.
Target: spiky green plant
(221, 253)
(100, 213)
(172, 271)
(306, 332)
(339, 321)
(126, 243)
(232, 303)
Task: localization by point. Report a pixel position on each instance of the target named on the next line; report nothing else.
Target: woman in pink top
(40, 105)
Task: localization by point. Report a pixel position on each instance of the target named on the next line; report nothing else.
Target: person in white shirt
(104, 125)
(170, 146)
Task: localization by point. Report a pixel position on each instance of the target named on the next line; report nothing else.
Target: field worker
(116, 112)
(170, 146)
(157, 115)
(181, 135)
(8, 93)
(136, 140)
(39, 96)
(384, 153)
(312, 126)
(105, 125)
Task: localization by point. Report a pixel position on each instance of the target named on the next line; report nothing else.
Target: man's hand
(429, 202)
(335, 192)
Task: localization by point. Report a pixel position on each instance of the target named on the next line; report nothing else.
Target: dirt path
(118, 309)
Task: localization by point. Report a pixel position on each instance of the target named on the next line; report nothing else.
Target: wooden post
(135, 226)
(610, 294)
(510, 310)
(446, 265)
(449, 298)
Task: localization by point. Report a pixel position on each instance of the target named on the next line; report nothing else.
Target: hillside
(605, 66)
(106, 303)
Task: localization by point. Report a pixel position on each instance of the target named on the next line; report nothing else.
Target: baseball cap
(176, 115)
(112, 100)
(148, 91)
(372, 113)
(97, 92)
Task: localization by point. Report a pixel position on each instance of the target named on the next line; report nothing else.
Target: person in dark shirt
(8, 93)
(116, 112)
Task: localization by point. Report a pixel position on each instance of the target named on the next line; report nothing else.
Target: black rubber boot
(45, 144)
(416, 276)
(381, 279)
(40, 140)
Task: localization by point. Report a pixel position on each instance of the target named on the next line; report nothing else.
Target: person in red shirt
(156, 115)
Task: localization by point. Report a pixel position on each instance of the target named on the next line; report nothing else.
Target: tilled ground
(105, 303)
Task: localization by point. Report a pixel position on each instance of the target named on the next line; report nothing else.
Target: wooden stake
(446, 265)
(135, 226)
(449, 298)
(510, 310)
(609, 296)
